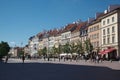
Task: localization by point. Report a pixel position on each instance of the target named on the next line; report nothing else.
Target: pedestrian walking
(101, 58)
(59, 58)
(6, 59)
(23, 58)
(97, 59)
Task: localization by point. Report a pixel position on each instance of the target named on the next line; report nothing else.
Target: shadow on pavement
(49, 71)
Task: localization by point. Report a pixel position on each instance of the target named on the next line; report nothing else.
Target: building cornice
(110, 13)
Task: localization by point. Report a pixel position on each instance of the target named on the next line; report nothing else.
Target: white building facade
(65, 37)
(33, 45)
(110, 30)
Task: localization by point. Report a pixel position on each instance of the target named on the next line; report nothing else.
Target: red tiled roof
(68, 27)
(53, 32)
(78, 27)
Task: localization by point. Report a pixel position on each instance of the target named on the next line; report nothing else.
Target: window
(69, 35)
(103, 22)
(97, 35)
(112, 19)
(108, 40)
(94, 36)
(108, 31)
(104, 38)
(90, 30)
(113, 39)
(113, 29)
(98, 27)
(95, 28)
(63, 36)
(104, 32)
(108, 21)
(66, 36)
(104, 41)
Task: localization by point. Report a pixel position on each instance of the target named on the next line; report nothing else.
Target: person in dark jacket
(23, 58)
(6, 59)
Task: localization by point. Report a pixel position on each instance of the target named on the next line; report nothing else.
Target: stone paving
(55, 70)
(113, 65)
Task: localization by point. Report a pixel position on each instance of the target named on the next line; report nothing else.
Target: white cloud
(12, 42)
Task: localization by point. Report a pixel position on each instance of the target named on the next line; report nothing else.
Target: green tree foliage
(80, 49)
(21, 53)
(66, 48)
(44, 51)
(54, 50)
(59, 49)
(40, 52)
(88, 46)
(73, 48)
(4, 49)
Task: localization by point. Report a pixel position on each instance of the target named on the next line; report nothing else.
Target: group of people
(93, 57)
(7, 57)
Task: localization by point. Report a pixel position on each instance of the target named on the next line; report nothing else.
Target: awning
(102, 52)
(107, 51)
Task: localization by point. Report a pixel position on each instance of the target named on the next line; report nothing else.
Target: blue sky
(21, 19)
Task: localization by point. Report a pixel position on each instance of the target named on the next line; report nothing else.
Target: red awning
(101, 52)
(107, 51)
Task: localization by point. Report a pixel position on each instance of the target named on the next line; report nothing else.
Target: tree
(88, 46)
(4, 49)
(54, 51)
(44, 51)
(66, 48)
(73, 48)
(80, 48)
(59, 49)
(40, 52)
(98, 50)
(21, 53)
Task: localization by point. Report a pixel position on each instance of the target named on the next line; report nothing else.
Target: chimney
(113, 7)
(90, 20)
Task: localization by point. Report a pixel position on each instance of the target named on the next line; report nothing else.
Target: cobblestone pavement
(113, 65)
(54, 70)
